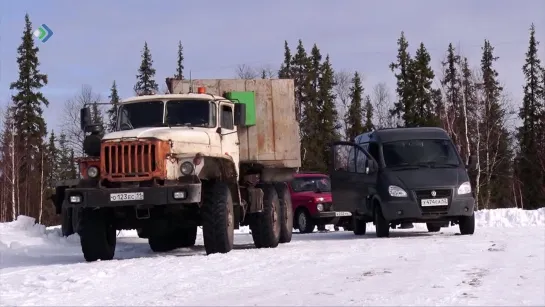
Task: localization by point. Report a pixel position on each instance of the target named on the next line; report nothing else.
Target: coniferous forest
(466, 98)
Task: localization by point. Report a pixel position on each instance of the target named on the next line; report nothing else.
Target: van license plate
(435, 202)
(343, 213)
(127, 196)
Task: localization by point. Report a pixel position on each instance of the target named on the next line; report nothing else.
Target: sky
(97, 42)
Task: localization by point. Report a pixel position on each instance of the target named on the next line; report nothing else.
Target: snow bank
(510, 217)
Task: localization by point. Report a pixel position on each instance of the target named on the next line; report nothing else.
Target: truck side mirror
(240, 115)
(472, 163)
(85, 118)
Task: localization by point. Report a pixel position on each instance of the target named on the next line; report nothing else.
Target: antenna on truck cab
(190, 83)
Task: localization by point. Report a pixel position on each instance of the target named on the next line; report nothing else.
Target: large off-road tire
(67, 228)
(97, 235)
(266, 225)
(433, 227)
(359, 226)
(176, 238)
(186, 237)
(467, 224)
(305, 223)
(286, 212)
(217, 219)
(381, 224)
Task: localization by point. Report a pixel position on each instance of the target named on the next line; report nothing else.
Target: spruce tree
(421, 80)
(52, 161)
(300, 64)
(531, 177)
(369, 126)
(145, 82)
(29, 122)
(496, 154)
(180, 63)
(451, 82)
(328, 112)
(354, 115)
(404, 107)
(285, 67)
(112, 112)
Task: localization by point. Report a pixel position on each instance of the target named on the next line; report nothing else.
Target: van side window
(361, 160)
(373, 151)
(227, 117)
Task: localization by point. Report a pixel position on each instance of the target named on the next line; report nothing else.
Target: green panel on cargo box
(247, 98)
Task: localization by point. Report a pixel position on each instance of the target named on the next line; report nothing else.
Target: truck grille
(131, 161)
(435, 210)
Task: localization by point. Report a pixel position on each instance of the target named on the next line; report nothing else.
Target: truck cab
(188, 159)
(403, 175)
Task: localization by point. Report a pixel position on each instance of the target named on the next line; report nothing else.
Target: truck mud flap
(255, 195)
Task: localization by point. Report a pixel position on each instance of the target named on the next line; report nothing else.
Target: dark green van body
(402, 175)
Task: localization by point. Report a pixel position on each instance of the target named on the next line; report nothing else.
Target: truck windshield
(141, 114)
(191, 113)
(421, 153)
(315, 184)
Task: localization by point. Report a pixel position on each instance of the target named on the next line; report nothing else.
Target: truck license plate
(127, 196)
(343, 213)
(435, 202)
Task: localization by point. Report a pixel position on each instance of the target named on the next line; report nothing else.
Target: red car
(311, 200)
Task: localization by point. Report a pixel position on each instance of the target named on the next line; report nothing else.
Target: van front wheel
(381, 224)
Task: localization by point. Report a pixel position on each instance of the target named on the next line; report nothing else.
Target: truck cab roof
(171, 97)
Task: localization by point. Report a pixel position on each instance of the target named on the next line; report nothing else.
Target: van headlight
(465, 188)
(92, 172)
(186, 168)
(396, 191)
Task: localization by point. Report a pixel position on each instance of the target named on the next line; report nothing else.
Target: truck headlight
(396, 191)
(92, 172)
(320, 207)
(186, 168)
(465, 188)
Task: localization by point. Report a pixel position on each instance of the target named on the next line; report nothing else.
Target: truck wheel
(286, 212)
(304, 221)
(467, 224)
(360, 227)
(381, 224)
(75, 219)
(66, 226)
(433, 227)
(97, 235)
(186, 237)
(266, 226)
(162, 243)
(217, 219)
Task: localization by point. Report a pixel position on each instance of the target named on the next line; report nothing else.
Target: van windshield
(314, 184)
(422, 153)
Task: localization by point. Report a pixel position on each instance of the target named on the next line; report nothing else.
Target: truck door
(229, 135)
(353, 175)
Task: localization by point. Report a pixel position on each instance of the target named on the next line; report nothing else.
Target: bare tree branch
(70, 117)
(382, 103)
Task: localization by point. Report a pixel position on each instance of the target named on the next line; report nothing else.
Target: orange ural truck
(214, 153)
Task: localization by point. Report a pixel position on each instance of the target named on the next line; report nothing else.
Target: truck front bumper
(411, 211)
(139, 196)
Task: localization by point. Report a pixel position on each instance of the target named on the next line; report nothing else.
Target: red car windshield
(315, 184)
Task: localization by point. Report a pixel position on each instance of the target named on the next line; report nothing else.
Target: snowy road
(496, 266)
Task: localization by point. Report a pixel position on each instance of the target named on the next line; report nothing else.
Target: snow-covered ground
(502, 264)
